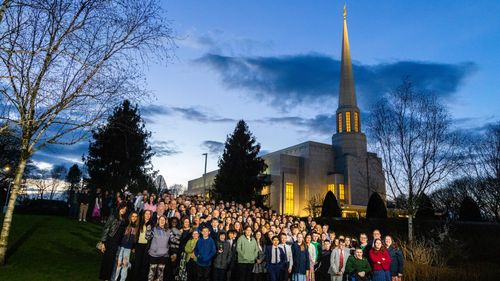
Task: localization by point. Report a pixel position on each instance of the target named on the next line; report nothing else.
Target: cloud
(214, 148)
(285, 81)
(219, 41)
(63, 154)
(149, 113)
(320, 124)
(164, 148)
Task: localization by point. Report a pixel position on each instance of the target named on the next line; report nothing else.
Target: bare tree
(40, 180)
(314, 205)
(176, 189)
(419, 150)
(57, 174)
(483, 163)
(65, 63)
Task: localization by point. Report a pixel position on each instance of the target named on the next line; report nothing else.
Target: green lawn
(52, 248)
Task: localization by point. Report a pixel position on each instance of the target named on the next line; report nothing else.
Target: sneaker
(79, 219)
(84, 220)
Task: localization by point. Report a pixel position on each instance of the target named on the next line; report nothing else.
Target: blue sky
(275, 64)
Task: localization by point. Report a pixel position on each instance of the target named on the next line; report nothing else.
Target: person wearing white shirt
(287, 270)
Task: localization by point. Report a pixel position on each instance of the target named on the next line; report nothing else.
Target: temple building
(309, 169)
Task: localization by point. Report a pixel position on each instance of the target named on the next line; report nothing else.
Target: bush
(376, 208)
(330, 206)
(43, 207)
(469, 210)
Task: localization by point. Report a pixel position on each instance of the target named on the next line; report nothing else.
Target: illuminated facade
(345, 167)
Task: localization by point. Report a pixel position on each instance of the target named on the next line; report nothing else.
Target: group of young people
(188, 238)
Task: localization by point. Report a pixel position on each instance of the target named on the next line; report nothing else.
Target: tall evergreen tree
(376, 208)
(74, 176)
(239, 168)
(331, 207)
(120, 156)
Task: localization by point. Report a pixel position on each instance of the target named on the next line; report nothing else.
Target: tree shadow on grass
(19, 242)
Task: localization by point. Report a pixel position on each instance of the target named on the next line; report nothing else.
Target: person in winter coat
(158, 251)
(112, 235)
(259, 268)
(204, 251)
(300, 259)
(222, 258)
(380, 261)
(324, 262)
(247, 252)
(189, 257)
(358, 266)
(397, 260)
(173, 249)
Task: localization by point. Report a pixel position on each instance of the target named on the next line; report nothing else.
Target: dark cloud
(215, 148)
(149, 112)
(290, 80)
(164, 148)
(321, 123)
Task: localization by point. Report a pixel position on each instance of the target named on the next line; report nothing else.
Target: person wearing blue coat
(300, 259)
(204, 251)
(397, 259)
(275, 260)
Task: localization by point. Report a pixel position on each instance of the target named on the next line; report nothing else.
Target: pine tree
(74, 176)
(425, 208)
(469, 210)
(376, 208)
(239, 168)
(330, 207)
(120, 156)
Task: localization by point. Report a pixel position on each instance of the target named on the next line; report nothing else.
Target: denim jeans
(122, 264)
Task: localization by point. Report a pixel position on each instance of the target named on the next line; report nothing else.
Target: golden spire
(347, 93)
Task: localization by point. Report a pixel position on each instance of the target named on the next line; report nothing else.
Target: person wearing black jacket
(233, 258)
(141, 262)
(83, 200)
(324, 262)
(112, 235)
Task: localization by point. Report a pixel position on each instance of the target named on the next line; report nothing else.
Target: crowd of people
(188, 238)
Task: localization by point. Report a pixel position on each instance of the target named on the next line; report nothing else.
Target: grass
(51, 248)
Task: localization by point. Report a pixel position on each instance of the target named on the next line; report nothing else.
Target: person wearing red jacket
(380, 261)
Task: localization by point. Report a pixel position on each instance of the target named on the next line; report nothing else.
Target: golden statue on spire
(345, 13)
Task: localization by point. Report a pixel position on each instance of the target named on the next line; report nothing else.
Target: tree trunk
(4, 236)
(410, 227)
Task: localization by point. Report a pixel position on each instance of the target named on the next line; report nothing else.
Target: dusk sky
(275, 64)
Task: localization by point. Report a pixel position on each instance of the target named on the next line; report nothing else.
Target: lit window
(341, 192)
(331, 187)
(289, 198)
(339, 121)
(265, 190)
(348, 121)
(356, 122)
